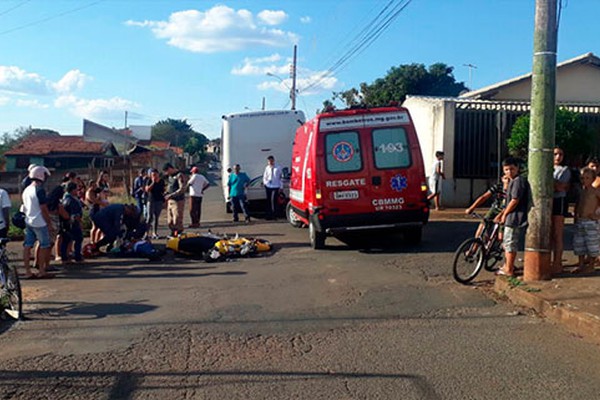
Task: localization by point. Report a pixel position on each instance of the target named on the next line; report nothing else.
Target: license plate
(346, 195)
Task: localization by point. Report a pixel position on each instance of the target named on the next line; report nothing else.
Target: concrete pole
(293, 89)
(541, 142)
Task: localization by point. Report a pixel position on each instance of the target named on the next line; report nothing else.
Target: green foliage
(413, 79)
(571, 135)
(179, 133)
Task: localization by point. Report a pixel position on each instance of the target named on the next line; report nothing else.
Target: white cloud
(71, 81)
(269, 17)
(306, 20)
(4, 101)
(16, 80)
(95, 108)
(218, 29)
(31, 104)
(256, 66)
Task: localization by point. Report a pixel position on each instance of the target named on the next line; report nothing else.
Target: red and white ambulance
(358, 170)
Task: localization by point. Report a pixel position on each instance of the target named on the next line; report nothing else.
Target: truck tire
(317, 239)
(292, 217)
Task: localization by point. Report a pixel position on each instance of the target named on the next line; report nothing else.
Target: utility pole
(125, 119)
(293, 76)
(541, 142)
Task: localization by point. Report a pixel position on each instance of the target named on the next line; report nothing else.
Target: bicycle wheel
(468, 260)
(11, 300)
(494, 256)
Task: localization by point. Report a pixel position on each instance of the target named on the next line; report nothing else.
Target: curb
(575, 321)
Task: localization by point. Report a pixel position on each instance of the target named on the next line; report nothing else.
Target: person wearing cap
(272, 182)
(197, 184)
(37, 223)
(175, 196)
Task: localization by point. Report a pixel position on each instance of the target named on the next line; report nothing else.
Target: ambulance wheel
(413, 236)
(317, 239)
(292, 217)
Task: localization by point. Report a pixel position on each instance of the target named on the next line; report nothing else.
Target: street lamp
(292, 94)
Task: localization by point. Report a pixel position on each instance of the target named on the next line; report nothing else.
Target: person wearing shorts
(560, 205)
(37, 223)
(435, 179)
(514, 216)
(586, 241)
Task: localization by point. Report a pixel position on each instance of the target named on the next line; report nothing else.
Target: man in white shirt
(4, 215)
(37, 222)
(272, 182)
(197, 184)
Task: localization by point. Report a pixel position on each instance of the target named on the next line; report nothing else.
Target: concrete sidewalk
(572, 300)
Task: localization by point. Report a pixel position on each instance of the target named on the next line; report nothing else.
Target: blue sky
(65, 60)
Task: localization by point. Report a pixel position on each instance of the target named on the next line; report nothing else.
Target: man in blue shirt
(238, 182)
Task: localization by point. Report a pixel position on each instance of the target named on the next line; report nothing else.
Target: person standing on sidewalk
(560, 208)
(435, 179)
(37, 223)
(514, 215)
(272, 182)
(586, 241)
(197, 184)
(237, 183)
(175, 196)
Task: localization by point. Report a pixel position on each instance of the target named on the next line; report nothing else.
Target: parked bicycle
(11, 300)
(483, 251)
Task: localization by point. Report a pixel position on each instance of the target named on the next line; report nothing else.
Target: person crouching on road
(514, 216)
(586, 241)
(109, 220)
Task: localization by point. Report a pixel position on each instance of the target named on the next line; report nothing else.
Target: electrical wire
(46, 19)
(364, 39)
(14, 7)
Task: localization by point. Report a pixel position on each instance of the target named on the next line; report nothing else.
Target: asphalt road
(342, 323)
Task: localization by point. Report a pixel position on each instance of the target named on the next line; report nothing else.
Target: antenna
(471, 67)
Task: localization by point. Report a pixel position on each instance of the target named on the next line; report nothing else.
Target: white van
(249, 138)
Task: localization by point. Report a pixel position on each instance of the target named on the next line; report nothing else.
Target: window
(391, 148)
(343, 152)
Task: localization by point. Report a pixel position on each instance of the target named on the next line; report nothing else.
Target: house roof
(488, 91)
(43, 145)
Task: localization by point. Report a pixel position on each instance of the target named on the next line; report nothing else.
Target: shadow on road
(83, 310)
(127, 383)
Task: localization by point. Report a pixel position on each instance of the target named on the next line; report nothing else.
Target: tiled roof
(38, 146)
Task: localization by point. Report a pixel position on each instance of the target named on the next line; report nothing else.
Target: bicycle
(483, 251)
(11, 300)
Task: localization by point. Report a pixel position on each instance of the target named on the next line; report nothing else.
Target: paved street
(340, 323)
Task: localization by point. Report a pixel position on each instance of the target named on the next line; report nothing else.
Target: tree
(179, 133)
(401, 81)
(572, 135)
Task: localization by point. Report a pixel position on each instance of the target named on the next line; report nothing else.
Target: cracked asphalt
(342, 323)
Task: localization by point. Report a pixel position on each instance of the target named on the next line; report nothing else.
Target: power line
(46, 19)
(14, 7)
(364, 39)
